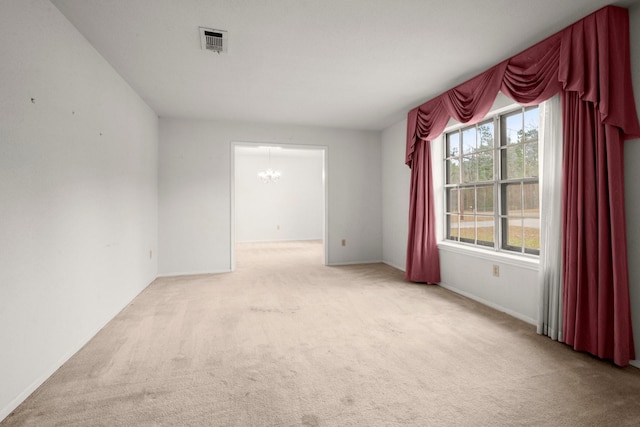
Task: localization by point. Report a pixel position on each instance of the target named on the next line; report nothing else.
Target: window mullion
(497, 176)
(523, 244)
(460, 175)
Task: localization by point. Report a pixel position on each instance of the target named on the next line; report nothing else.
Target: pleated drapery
(597, 317)
(424, 267)
(589, 64)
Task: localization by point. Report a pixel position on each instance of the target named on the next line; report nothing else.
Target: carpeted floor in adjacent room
(286, 341)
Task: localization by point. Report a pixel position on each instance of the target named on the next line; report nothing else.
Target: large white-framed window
(491, 185)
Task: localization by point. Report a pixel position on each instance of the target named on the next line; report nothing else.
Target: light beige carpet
(285, 341)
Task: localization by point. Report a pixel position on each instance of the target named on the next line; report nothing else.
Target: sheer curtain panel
(550, 274)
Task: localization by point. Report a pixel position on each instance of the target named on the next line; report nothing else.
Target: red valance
(589, 57)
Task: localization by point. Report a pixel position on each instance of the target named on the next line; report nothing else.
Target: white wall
(78, 195)
(632, 189)
(291, 208)
(194, 190)
(395, 195)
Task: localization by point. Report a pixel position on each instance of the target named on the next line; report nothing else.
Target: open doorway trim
(325, 185)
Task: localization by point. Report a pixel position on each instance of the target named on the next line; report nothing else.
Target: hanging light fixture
(269, 175)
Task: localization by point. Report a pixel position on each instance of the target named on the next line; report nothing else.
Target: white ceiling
(359, 64)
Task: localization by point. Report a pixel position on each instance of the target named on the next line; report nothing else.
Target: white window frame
(496, 251)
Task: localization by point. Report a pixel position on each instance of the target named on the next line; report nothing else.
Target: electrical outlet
(277, 227)
(344, 242)
(496, 270)
(150, 254)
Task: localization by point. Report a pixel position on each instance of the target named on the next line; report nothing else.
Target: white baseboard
(309, 239)
(193, 273)
(495, 306)
(397, 267)
(336, 264)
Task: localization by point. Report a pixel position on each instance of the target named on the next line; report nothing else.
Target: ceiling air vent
(213, 40)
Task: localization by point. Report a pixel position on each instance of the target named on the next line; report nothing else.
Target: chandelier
(269, 175)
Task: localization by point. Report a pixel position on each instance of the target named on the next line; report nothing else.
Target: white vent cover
(213, 40)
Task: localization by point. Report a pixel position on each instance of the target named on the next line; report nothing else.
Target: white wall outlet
(496, 270)
(344, 242)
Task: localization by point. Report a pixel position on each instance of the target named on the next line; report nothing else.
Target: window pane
(512, 162)
(469, 168)
(468, 229)
(467, 218)
(531, 124)
(484, 201)
(452, 200)
(485, 135)
(485, 227)
(485, 166)
(452, 227)
(453, 171)
(531, 199)
(512, 129)
(511, 199)
(531, 160)
(467, 202)
(469, 140)
(532, 235)
(512, 233)
(453, 144)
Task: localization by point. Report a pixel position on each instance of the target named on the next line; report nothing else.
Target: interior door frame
(232, 180)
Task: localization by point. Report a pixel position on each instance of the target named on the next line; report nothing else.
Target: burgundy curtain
(589, 64)
(597, 317)
(423, 267)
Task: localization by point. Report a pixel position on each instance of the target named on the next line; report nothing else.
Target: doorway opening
(278, 197)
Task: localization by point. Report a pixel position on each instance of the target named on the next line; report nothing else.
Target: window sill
(522, 261)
